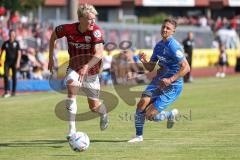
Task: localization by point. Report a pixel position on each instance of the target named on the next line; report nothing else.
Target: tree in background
(21, 5)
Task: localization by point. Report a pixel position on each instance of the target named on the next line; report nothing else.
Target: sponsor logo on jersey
(14, 45)
(161, 59)
(80, 45)
(87, 39)
(59, 28)
(97, 34)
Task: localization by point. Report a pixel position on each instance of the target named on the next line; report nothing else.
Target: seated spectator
(121, 68)
(37, 73)
(24, 66)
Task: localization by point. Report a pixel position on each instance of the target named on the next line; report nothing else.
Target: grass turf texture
(208, 127)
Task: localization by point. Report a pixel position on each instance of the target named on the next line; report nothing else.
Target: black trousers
(7, 66)
(188, 75)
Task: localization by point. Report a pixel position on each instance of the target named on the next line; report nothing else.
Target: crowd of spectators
(214, 23)
(124, 68)
(33, 38)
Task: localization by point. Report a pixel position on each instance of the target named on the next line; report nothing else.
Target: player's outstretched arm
(51, 48)
(1, 51)
(0, 56)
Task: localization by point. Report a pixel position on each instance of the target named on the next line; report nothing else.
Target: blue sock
(139, 122)
(161, 116)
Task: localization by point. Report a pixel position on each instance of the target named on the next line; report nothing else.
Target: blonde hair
(84, 9)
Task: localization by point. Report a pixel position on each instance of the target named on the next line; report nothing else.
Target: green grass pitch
(208, 127)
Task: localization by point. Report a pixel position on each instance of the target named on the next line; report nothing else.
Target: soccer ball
(79, 141)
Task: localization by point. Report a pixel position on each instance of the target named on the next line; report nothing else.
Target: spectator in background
(203, 21)
(13, 20)
(37, 73)
(121, 66)
(188, 45)
(106, 73)
(12, 60)
(234, 23)
(218, 24)
(222, 62)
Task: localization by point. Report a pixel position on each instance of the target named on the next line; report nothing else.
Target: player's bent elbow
(187, 69)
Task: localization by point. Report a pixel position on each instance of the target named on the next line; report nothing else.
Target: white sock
(71, 106)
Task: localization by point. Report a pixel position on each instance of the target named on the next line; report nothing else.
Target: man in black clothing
(12, 60)
(188, 45)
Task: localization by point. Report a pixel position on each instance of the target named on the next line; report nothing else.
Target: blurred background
(133, 22)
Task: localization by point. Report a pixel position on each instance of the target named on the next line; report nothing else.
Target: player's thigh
(167, 97)
(151, 112)
(72, 82)
(91, 88)
(143, 103)
(148, 96)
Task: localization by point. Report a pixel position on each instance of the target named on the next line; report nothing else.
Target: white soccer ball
(79, 141)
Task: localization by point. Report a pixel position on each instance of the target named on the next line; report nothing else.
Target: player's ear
(174, 29)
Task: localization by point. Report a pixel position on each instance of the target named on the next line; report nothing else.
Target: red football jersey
(81, 45)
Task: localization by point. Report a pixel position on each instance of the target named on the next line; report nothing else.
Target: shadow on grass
(104, 141)
(50, 143)
(35, 143)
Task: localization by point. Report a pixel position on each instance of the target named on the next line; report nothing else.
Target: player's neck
(166, 39)
(81, 29)
(11, 40)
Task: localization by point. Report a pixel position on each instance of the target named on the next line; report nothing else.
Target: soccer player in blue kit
(167, 85)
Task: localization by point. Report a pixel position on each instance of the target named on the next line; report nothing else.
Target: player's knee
(94, 105)
(73, 83)
(141, 105)
(94, 108)
(149, 116)
(69, 82)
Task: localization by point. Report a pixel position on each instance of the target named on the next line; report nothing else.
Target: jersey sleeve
(97, 35)
(154, 57)
(3, 46)
(177, 52)
(60, 31)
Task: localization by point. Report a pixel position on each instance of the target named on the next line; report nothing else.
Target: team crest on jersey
(161, 58)
(87, 39)
(14, 44)
(59, 28)
(97, 34)
(179, 54)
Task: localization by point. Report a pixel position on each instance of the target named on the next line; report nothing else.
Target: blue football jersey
(168, 54)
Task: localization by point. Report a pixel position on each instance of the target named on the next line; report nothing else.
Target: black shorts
(222, 63)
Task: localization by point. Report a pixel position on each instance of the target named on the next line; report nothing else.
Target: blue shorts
(162, 98)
